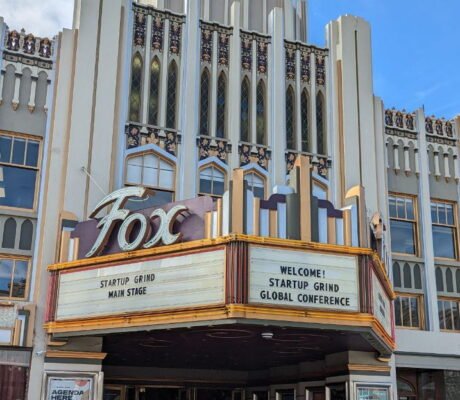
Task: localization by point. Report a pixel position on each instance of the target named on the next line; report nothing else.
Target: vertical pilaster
(289, 18)
(314, 135)
(164, 76)
(33, 89)
(189, 94)
(278, 114)
(214, 78)
(253, 115)
(146, 80)
(17, 85)
(234, 85)
(426, 235)
(298, 119)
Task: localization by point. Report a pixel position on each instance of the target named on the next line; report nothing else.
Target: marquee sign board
(303, 279)
(171, 282)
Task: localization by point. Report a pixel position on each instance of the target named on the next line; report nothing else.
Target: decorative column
(146, 73)
(314, 136)
(437, 172)
(426, 242)
(17, 85)
(278, 108)
(234, 85)
(33, 89)
(164, 75)
(214, 78)
(298, 119)
(190, 81)
(253, 115)
(406, 160)
(396, 157)
(417, 162)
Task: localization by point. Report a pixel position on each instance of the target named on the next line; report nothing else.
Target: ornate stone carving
(246, 52)
(175, 33)
(206, 44)
(262, 47)
(213, 147)
(29, 44)
(320, 70)
(290, 62)
(12, 42)
(305, 70)
(157, 32)
(140, 136)
(224, 39)
(139, 28)
(428, 125)
(254, 154)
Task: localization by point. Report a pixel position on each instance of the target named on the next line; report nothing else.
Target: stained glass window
(260, 122)
(204, 103)
(304, 120)
(171, 107)
(290, 119)
(154, 91)
(244, 129)
(221, 105)
(320, 134)
(136, 89)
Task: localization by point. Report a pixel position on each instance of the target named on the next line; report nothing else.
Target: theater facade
(231, 298)
(198, 203)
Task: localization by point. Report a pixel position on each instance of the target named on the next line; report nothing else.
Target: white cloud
(39, 17)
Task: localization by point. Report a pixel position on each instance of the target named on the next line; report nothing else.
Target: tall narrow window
(403, 224)
(136, 89)
(444, 229)
(221, 116)
(25, 239)
(244, 129)
(290, 119)
(9, 233)
(261, 114)
(171, 106)
(320, 134)
(204, 103)
(154, 91)
(304, 120)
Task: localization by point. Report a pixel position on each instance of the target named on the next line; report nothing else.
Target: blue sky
(416, 43)
(416, 49)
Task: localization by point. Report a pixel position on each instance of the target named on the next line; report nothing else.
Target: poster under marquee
(75, 388)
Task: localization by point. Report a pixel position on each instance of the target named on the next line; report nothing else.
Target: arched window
(136, 89)
(396, 275)
(221, 114)
(417, 277)
(244, 128)
(320, 131)
(171, 101)
(204, 103)
(154, 91)
(449, 280)
(25, 240)
(9, 234)
(212, 181)
(151, 170)
(407, 276)
(256, 184)
(439, 280)
(304, 120)
(261, 118)
(290, 119)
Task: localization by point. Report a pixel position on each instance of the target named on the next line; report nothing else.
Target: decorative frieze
(138, 135)
(439, 127)
(320, 165)
(401, 133)
(400, 119)
(305, 69)
(248, 40)
(213, 147)
(175, 35)
(254, 154)
(224, 51)
(27, 49)
(440, 140)
(320, 69)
